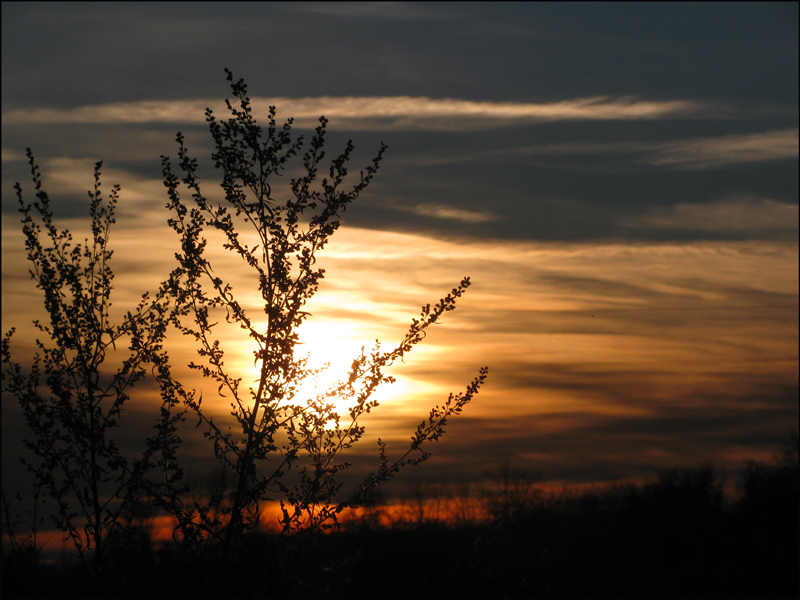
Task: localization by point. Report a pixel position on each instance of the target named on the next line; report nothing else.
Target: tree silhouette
(78, 462)
(279, 430)
(284, 446)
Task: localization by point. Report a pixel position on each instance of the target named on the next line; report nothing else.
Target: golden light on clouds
(439, 211)
(383, 112)
(575, 334)
(708, 152)
(741, 214)
(688, 154)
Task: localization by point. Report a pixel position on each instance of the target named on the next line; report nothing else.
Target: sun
(337, 342)
(331, 346)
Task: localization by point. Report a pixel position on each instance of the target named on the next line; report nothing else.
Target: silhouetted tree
(24, 546)
(511, 492)
(279, 430)
(72, 416)
(286, 447)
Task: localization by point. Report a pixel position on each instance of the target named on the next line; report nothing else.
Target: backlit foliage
(283, 446)
(73, 413)
(280, 430)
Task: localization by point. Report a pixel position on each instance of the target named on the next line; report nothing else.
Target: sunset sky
(620, 182)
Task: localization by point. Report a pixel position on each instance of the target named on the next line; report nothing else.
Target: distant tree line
(682, 535)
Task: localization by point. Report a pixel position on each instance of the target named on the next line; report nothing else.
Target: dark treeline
(680, 536)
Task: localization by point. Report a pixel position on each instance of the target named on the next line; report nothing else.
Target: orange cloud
(381, 112)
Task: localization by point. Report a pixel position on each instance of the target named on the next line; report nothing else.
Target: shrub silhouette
(511, 493)
(769, 513)
(77, 462)
(284, 448)
(278, 429)
(623, 541)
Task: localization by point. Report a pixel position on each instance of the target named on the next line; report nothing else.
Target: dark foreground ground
(679, 537)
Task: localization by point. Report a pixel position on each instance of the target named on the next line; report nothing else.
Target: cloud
(439, 211)
(691, 154)
(748, 215)
(10, 155)
(379, 112)
(146, 111)
(373, 10)
(711, 152)
(600, 353)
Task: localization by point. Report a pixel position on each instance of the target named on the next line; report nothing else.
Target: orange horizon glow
(453, 505)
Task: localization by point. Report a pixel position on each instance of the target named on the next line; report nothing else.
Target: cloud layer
(397, 112)
(620, 184)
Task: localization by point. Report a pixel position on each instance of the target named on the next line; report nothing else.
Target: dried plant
(285, 447)
(73, 416)
(279, 430)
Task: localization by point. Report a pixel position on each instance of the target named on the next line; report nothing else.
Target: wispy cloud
(699, 153)
(373, 10)
(711, 152)
(380, 112)
(439, 211)
(739, 215)
(653, 340)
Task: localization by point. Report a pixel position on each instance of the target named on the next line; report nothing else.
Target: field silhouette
(682, 535)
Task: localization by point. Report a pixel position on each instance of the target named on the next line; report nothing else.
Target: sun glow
(331, 346)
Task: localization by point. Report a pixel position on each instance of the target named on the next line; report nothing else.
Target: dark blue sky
(568, 179)
(70, 54)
